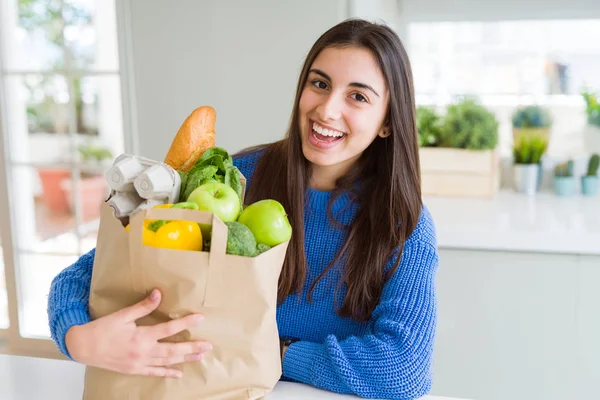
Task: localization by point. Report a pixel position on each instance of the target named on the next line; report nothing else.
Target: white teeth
(326, 132)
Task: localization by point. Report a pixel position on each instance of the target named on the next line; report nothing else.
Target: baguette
(195, 136)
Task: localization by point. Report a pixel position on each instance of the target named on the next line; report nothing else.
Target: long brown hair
(389, 194)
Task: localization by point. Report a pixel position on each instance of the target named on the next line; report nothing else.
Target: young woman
(357, 309)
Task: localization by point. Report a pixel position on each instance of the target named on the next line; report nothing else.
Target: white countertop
(516, 222)
(24, 378)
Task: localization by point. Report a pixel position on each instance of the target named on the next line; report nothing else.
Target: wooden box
(459, 173)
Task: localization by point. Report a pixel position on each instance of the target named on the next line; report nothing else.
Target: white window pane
(3, 295)
(60, 34)
(506, 57)
(100, 111)
(36, 272)
(38, 118)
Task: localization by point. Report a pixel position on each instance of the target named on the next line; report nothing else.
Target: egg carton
(137, 183)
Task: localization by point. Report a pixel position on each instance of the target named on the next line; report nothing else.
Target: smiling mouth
(324, 135)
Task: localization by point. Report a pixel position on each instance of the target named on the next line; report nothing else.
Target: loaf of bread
(195, 136)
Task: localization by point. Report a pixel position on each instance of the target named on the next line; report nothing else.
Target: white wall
(242, 58)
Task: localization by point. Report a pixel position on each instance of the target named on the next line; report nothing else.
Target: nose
(331, 108)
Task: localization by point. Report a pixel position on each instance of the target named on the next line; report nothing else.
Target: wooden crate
(459, 172)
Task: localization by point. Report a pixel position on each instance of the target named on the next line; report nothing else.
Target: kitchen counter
(515, 222)
(24, 378)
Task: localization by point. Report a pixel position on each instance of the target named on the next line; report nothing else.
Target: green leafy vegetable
(215, 165)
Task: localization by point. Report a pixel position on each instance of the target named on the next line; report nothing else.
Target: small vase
(526, 178)
(589, 185)
(564, 185)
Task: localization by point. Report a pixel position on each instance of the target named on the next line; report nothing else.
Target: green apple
(218, 198)
(268, 222)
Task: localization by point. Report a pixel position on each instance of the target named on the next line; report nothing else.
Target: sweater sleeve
(394, 360)
(69, 298)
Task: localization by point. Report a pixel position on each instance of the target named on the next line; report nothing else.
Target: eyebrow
(353, 84)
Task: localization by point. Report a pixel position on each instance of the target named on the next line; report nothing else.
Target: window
(509, 63)
(62, 101)
(3, 294)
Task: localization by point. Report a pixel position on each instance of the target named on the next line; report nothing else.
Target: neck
(323, 178)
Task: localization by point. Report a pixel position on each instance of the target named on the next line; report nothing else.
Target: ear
(385, 131)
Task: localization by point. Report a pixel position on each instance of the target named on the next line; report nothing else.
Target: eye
(360, 97)
(319, 84)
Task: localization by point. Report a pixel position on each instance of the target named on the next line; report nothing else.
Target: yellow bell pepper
(148, 221)
(177, 235)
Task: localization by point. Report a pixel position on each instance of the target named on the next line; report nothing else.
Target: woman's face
(342, 107)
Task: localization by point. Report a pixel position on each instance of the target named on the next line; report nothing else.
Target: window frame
(11, 340)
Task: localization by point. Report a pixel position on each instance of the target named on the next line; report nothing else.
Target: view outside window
(60, 74)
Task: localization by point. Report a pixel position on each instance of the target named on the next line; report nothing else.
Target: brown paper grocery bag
(237, 295)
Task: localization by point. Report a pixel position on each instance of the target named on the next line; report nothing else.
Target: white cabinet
(518, 326)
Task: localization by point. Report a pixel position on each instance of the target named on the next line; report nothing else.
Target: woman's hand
(116, 343)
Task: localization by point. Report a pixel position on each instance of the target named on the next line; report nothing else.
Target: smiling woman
(357, 302)
(340, 116)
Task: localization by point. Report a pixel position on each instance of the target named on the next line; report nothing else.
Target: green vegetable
(240, 240)
(261, 248)
(215, 165)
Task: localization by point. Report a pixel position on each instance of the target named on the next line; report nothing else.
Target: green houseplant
(531, 120)
(564, 180)
(592, 108)
(459, 151)
(589, 182)
(527, 157)
(428, 126)
(591, 133)
(469, 125)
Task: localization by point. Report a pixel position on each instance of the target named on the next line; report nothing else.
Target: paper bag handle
(218, 243)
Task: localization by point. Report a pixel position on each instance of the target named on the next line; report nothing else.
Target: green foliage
(529, 149)
(92, 152)
(531, 117)
(564, 169)
(592, 109)
(469, 125)
(215, 164)
(593, 163)
(429, 124)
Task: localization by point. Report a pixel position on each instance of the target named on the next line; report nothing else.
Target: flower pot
(564, 185)
(526, 178)
(53, 196)
(93, 191)
(590, 185)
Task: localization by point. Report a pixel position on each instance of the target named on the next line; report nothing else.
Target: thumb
(144, 307)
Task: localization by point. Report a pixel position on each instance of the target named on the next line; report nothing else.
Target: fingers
(166, 350)
(170, 328)
(161, 371)
(160, 362)
(143, 308)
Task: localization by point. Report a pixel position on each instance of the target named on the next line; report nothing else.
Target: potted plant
(93, 188)
(428, 126)
(592, 130)
(564, 181)
(589, 182)
(463, 160)
(527, 154)
(531, 120)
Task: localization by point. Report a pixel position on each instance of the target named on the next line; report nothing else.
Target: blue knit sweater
(388, 357)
